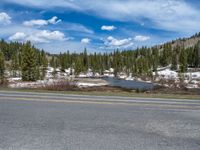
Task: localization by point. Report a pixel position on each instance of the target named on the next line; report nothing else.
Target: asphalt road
(33, 121)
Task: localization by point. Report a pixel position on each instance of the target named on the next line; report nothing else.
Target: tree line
(22, 59)
(31, 63)
(142, 61)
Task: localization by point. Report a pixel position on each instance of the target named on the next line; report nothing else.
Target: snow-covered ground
(130, 78)
(191, 79)
(193, 75)
(109, 73)
(36, 84)
(192, 86)
(83, 84)
(166, 74)
(42, 83)
(14, 79)
(82, 75)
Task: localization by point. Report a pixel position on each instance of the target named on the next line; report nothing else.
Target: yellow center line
(102, 102)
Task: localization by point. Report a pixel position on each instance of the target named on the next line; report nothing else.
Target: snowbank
(193, 75)
(83, 84)
(14, 79)
(167, 74)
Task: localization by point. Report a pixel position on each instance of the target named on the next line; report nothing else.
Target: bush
(61, 86)
(3, 82)
(141, 90)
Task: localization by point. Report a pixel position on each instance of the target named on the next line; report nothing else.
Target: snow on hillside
(167, 74)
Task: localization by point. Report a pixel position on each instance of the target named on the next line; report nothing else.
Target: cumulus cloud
(141, 38)
(112, 42)
(54, 20)
(55, 35)
(41, 36)
(35, 23)
(41, 22)
(45, 36)
(85, 41)
(108, 28)
(19, 36)
(4, 18)
(179, 16)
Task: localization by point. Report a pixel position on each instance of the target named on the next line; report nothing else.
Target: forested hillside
(32, 62)
(179, 54)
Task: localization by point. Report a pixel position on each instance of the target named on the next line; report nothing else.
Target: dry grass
(60, 86)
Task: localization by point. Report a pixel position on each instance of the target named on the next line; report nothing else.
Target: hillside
(180, 54)
(186, 42)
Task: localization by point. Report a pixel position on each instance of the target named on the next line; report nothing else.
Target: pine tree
(37, 73)
(15, 64)
(155, 59)
(2, 67)
(165, 58)
(85, 60)
(78, 66)
(183, 60)
(197, 55)
(29, 64)
(44, 64)
(174, 62)
(190, 59)
(53, 62)
(63, 61)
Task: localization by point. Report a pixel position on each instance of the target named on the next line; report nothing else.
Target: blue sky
(98, 25)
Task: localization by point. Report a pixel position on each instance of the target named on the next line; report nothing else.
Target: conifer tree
(197, 55)
(165, 58)
(174, 62)
(155, 59)
(2, 67)
(63, 61)
(85, 60)
(15, 64)
(29, 64)
(190, 59)
(78, 66)
(44, 64)
(37, 72)
(52, 62)
(183, 60)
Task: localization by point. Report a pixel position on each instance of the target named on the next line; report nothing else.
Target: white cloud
(55, 35)
(172, 15)
(19, 36)
(4, 18)
(108, 28)
(112, 42)
(141, 38)
(35, 23)
(54, 20)
(41, 36)
(85, 41)
(41, 22)
(77, 27)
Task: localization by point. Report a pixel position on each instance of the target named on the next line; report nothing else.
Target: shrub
(3, 82)
(61, 86)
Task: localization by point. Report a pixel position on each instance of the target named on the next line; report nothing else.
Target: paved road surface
(33, 121)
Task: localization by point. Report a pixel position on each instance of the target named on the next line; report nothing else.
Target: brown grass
(60, 86)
